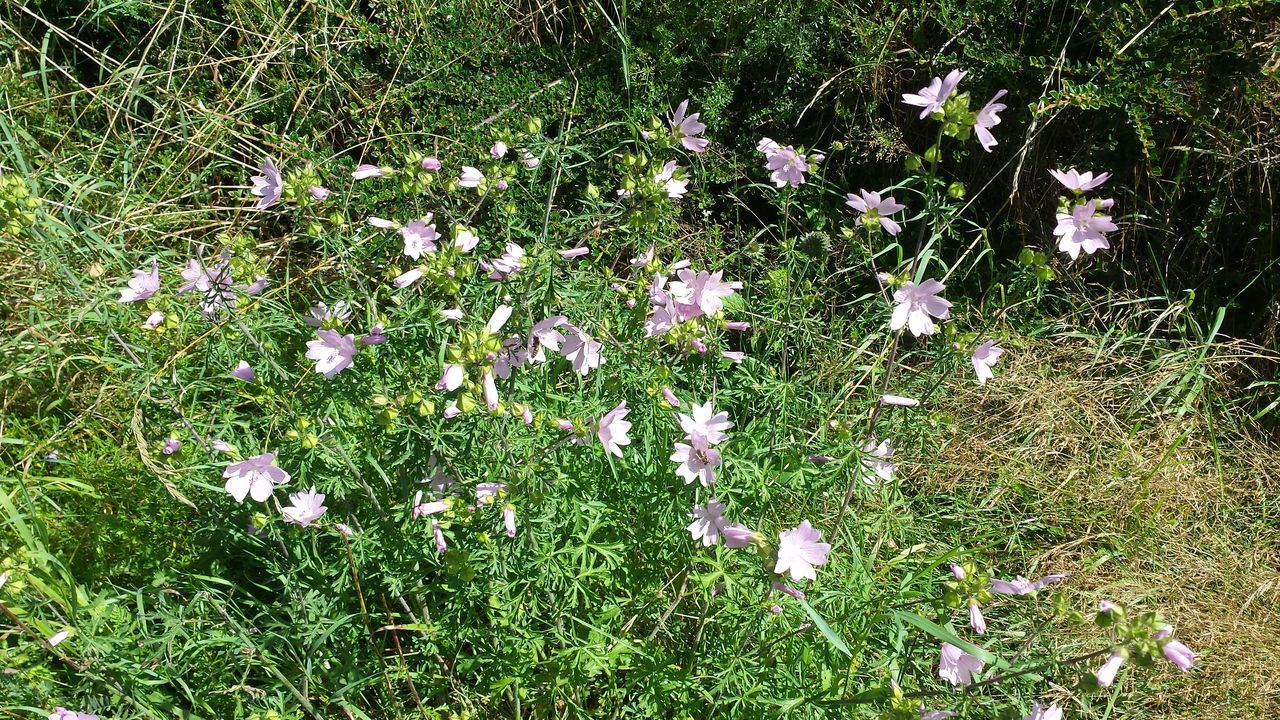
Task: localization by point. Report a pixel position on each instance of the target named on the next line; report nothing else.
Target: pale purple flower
(267, 186)
(935, 94)
(1040, 712)
(984, 358)
(243, 372)
(222, 446)
(196, 276)
(430, 164)
(256, 477)
(61, 713)
(670, 397)
(319, 193)
(498, 319)
(382, 223)
(898, 401)
(259, 284)
(421, 509)
(441, 546)
(529, 159)
(452, 411)
(332, 351)
(452, 377)
(509, 520)
(643, 258)
(613, 429)
(786, 589)
(785, 165)
(581, 351)
(1174, 651)
(154, 320)
(545, 335)
(509, 264)
(345, 529)
(365, 171)
(706, 423)
(464, 240)
(321, 313)
(502, 185)
(737, 535)
(873, 207)
(926, 714)
(171, 446)
(58, 637)
(451, 313)
(498, 150)
(407, 278)
(490, 390)
(976, 621)
(419, 237)
(376, 336)
(1083, 229)
(737, 325)
(1079, 181)
(664, 318)
(987, 118)
(470, 177)
(957, 666)
(1023, 586)
(143, 285)
(916, 304)
(876, 460)
(675, 188)
(775, 609)
(686, 129)
(704, 290)
(574, 252)
(800, 553)
(733, 356)
(1107, 673)
(708, 522)
(307, 507)
(698, 461)
(487, 492)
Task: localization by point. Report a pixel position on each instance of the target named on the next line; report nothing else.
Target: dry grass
(1140, 505)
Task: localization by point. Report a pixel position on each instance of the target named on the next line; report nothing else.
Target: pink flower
(509, 264)
(452, 377)
(498, 319)
(976, 621)
(800, 552)
(61, 713)
(987, 118)
(545, 335)
(916, 303)
(382, 223)
(613, 429)
(935, 94)
(509, 520)
(419, 237)
(470, 177)
(332, 351)
(581, 351)
(737, 535)
(421, 509)
(706, 423)
(452, 411)
(365, 171)
(1040, 712)
(319, 193)
(574, 252)
(143, 285)
(686, 129)
(529, 159)
(877, 209)
(1107, 673)
(1023, 586)
(154, 320)
(876, 460)
(376, 336)
(256, 477)
(643, 258)
(451, 313)
(57, 638)
(708, 522)
(1078, 181)
(441, 546)
(675, 188)
(490, 390)
(926, 714)
(786, 589)
(243, 372)
(498, 150)
(898, 401)
(737, 325)
(267, 186)
(171, 446)
(407, 278)
(704, 290)
(733, 356)
(957, 666)
(307, 507)
(670, 397)
(698, 461)
(320, 314)
(785, 165)
(1174, 651)
(430, 164)
(345, 529)
(1083, 229)
(984, 358)
(487, 492)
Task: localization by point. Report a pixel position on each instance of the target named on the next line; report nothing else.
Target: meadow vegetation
(391, 359)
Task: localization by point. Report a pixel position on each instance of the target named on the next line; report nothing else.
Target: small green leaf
(822, 625)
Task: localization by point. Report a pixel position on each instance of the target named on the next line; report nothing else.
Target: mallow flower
(256, 477)
(1023, 586)
(332, 351)
(1084, 228)
(470, 177)
(984, 358)
(686, 129)
(876, 460)
(785, 165)
(800, 552)
(917, 304)
(875, 209)
(698, 461)
(674, 187)
(1174, 651)
(320, 314)
(932, 96)
(307, 507)
(957, 666)
(365, 171)
(419, 237)
(613, 428)
(1041, 712)
(706, 423)
(704, 290)
(581, 351)
(1079, 181)
(143, 285)
(1106, 674)
(708, 522)
(987, 118)
(267, 186)
(509, 264)
(61, 713)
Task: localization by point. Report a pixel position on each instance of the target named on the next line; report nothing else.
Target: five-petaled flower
(1079, 181)
(143, 285)
(935, 93)
(917, 305)
(256, 477)
(307, 507)
(987, 118)
(984, 357)
(332, 351)
(800, 552)
(1084, 228)
(957, 666)
(613, 429)
(875, 209)
(686, 129)
(267, 186)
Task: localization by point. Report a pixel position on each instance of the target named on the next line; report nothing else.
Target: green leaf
(946, 635)
(822, 625)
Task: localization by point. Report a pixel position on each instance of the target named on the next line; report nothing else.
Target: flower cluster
(1081, 223)
(787, 165)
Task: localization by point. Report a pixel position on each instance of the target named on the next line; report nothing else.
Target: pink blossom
(61, 713)
(987, 118)
(143, 285)
(421, 509)
(957, 666)
(786, 589)
(737, 535)
(490, 390)
(430, 164)
(243, 372)
(613, 428)
(876, 460)
(698, 461)
(686, 129)
(976, 621)
(706, 423)
(452, 313)
(581, 351)
(267, 186)
(509, 520)
(441, 546)
(733, 356)
(345, 529)
(171, 446)
(800, 552)
(916, 303)
(785, 165)
(419, 237)
(452, 411)
(498, 150)
(487, 492)
(704, 290)
(708, 522)
(529, 159)
(1174, 651)
(154, 320)
(319, 193)
(57, 638)
(376, 336)
(407, 278)
(737, 325)
(875, 208)
(935, 94)
(545, 335)
(451, 379)
(675, 188)
(509, 264)
(670, 397)
(926, 714)
(574, 252)
(1023, 586)
(307, 507)
(1084, 228)
(1079, 181)
(365, 171)
(382, 223)
(643, 258)
(1106, 674)
(1040, 712)
(984, 358)
(470, 177)
(256, 477)
(332, 351)
(898, 401)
